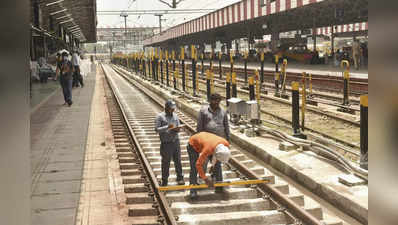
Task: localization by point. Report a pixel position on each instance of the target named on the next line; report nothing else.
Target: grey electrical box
(237, 106)
(252, 110)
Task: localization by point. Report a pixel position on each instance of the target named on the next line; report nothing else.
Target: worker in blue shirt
(167, 125)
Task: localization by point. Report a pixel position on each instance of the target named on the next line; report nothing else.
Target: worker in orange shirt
(202, 147)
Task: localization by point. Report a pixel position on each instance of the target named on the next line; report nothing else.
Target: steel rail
(167, 213)
(295, 209)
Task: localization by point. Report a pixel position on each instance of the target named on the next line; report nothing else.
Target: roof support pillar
(274, 40)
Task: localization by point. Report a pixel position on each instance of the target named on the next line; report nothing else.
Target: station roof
(250, 16)
(79, 16)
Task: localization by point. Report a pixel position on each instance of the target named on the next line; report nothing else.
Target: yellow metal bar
(364, 100)
(186, 74)
(233, 78)
(251, 81)
(258, 94)
(182, 53)
(303, 102)
(212, 83)
(197, 79)
(310, 79)
(203, 186)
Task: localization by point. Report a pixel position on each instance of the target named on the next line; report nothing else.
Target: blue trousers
(193, 175)
(66, 85)
(170, 151)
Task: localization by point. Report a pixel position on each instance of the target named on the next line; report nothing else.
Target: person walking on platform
(65, 73)
(77, 77)
(202, 147)
(167, 124)
(356, 54)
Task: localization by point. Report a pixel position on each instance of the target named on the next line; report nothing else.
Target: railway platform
(295, 67)
(71, 159)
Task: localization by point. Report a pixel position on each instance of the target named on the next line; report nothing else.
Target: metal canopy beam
(83, 13)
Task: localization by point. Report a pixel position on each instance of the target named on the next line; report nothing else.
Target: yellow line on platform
(203, 186)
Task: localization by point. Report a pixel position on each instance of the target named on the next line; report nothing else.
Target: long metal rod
(163, 203)
(204, 186)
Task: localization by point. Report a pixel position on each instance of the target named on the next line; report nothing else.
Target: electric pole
(160, 22)
(125, 27)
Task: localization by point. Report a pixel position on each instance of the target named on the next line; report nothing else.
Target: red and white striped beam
(238, 12)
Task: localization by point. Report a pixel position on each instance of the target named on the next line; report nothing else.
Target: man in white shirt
(77, 77)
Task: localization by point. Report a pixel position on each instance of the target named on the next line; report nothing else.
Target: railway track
(321, 83)
(318, 122)
(133, 109)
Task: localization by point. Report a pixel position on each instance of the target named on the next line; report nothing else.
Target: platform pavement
(41, 92)
(58, 143)
(294, 67)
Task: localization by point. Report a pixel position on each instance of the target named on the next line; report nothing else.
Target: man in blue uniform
(167, 125)
(65, 72)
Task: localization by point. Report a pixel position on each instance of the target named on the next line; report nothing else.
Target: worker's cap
(170, 104)
(215, 96)
(222, 153)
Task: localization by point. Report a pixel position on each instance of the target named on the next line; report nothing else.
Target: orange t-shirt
(205, 143)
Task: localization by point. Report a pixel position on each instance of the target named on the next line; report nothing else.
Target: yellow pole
(176, 75)
(186, 75)
(197, 79)
(182, 53)
(257, 87)
(284, 76)
(212, 82)
(310, 80)
(303, 101)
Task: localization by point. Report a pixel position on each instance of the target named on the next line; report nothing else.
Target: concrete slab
(55, 201)
(57, 187)
(62, 166)
(351, 180)
(327, 70)
(53, 217)
(61, 176)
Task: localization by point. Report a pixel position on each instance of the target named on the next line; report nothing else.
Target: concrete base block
(311, 102)
(351, 180)
(233, 126)
(287, 146)
(346, 110)
(250, 132)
